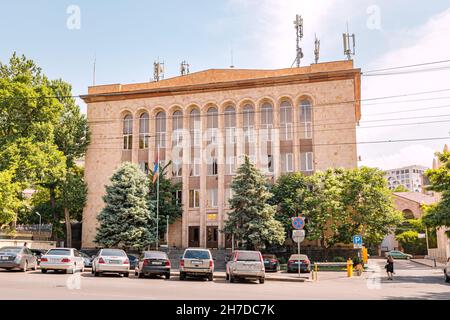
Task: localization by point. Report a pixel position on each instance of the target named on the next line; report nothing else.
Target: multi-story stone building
(409, 177)
(297, 119)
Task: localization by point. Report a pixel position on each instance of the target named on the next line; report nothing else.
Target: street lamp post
(40, 222)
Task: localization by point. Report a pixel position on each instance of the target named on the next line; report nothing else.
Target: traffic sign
(298, 235)
(298, 223)
(357, 241)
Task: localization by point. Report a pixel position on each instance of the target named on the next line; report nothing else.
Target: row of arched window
(212, 124)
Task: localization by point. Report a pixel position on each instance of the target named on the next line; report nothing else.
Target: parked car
(38, 253)
(197, 262)
(133, 260)
(153, 263)
(246, 265)
(90, 252)
(68, 260)
(271, 263)
(17, 258)
(398, 255)
(87, 260)
(111, 261)
(293, 263)
(447, 271)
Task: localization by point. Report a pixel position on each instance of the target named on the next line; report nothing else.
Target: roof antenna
(316, 49)
(232, 58)
(158, 70)
(298, 23)
(93, 74)
(347, 48)
(184, 68)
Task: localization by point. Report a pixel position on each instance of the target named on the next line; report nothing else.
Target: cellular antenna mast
(158, 70)
(316, 50)
(184, 68)
(298, 23)
(232, 59)
(349, 50)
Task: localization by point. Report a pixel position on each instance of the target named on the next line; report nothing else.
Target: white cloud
(421, 44)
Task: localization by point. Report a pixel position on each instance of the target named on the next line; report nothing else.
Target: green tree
(370, 205)
(400, 188)
(128, 218)
(73, 199)
(9, 202)
(292, 193)
(407, 234)
(438, 215)
(326, 214)
(252, 219)
(168, 203)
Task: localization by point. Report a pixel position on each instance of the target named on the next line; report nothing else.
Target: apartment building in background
(410, 177)
(287, 120)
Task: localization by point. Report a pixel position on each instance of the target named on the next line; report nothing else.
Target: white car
(197, 262)
(447, 271)
(246, 265)
(68, 260)
(111, 261)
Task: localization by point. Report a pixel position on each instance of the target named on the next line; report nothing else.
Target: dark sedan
(295, 259)
(38, 253)
(17, 258)
(153, 263)
(87, 260)
(271, 263)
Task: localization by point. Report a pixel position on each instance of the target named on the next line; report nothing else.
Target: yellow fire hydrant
(349, 268)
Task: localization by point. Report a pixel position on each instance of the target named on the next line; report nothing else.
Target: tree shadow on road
(417, 279)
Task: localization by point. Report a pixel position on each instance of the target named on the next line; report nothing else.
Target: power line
(408, 66)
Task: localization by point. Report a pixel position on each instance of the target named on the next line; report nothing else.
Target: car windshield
(113, 252)
(299, 257)
(10, 250)
(248, 256)
(269, 256)
(196, 254)
(58, 252)
(155, 255)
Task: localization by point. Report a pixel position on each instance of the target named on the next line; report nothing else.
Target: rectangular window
(128, 142)
(194, 198)
(270, 163)
(249, 134)
(177, 169)
(287, 162)
(230, 135)
(144, 167)
(195, 168)
(213, 167)
(212, 198)
(179, 196)
(306, 161)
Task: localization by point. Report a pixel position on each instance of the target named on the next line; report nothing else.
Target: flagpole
(157, 204)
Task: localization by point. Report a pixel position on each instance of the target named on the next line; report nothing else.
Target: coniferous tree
(252, 219)
(128, 219)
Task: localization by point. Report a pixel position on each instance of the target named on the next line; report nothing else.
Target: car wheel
(92, 271)
(232, 280)
(126, 275)
(43, 270)
(261, 280)
(210, 277)
(227, 277)
(167, 276)
(447, 278)
(96, 274)
(182, 276)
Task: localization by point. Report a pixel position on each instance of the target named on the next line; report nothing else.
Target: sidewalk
(279, 276)
(428, 263)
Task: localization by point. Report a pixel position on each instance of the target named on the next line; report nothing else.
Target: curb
(425, 264)
(220, 276)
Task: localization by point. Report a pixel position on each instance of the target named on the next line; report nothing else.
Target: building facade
(298, 119)
(409, 177)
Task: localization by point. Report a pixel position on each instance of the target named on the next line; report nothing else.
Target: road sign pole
(299, 264)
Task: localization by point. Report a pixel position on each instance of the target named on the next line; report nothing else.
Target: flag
(156, 169)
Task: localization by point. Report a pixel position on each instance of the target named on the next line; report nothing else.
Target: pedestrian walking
(390, 267)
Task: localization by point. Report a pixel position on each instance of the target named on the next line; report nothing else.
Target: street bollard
(315, 271)
(349, 268)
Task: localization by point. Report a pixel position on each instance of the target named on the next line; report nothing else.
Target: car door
(78, 259)
(31, 258)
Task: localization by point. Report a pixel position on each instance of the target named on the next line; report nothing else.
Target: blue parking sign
(357, 240)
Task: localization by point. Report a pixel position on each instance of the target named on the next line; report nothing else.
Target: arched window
(143, 131)
(161, 129)
(195, 133)
(128, 132)
(286, 121)
(248, 123)
(177, 138)
(267, 121)
(212, 124)
(230, 125)
(305, 119)
(408, 214)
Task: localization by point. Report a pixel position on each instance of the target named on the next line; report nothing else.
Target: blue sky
(127, 36)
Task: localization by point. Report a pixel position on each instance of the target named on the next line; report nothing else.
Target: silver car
(17, 258)
(245, 265)
(197, 262)
(111, 261)
(447, 271)
(68, 260)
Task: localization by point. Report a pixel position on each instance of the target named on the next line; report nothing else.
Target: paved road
(411, 281)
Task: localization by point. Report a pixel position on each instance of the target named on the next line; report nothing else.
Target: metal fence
(34, 228)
